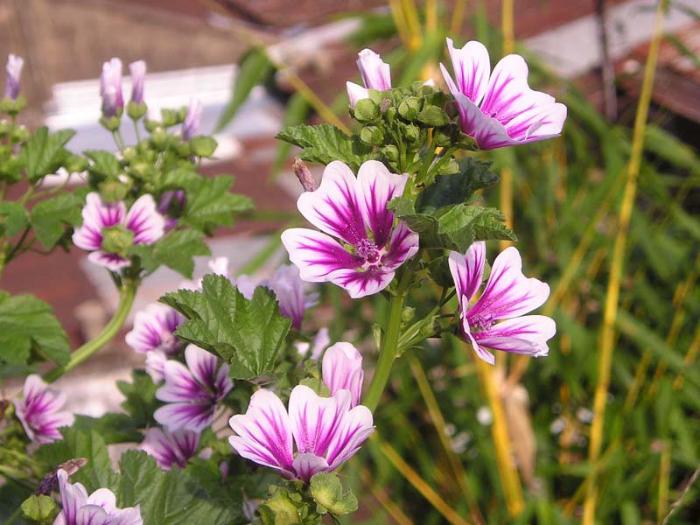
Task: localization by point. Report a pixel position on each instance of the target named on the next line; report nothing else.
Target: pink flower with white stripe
(109, 230)
(99, 508)
(354, 210)
(498, 108)
(40, 411)
(342, 370)
(111, 88)
(14, 73)
(375, 73)
(327, 431)
(154, 329)
(192, 392)
(495, 320)
(170, 449)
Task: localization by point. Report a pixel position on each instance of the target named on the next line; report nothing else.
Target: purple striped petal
(508, 292)
(97, 216)
(170, 449)
(472, 67)
(14, 73)
(111, 261)
(208, 372)
(144, 220)
(356, 93)
(480, 351)
(334, 207)
(375, 73)
(195, 416)
(538, 123)
(342, 369)
(155, 365)
(289, 290)
(318, 256)
(376, 186)
(468, 271)
(359, 282)
(73, 497)
(403, 245)
(356, 427)
(306, 465)
(138, 77)
(154, 329)
(523, 335)
(263, 433)
(315, 419)
(40, 411)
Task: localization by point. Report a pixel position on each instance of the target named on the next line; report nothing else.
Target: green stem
(126, 301)
(390, 344)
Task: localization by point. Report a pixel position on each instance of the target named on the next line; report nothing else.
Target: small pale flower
(108, 230)
(193, 119)
(342, 369)
(14, 72)
(495, 320)
(326, 431)
(138, 77)
(99, 508)
(498, 108)
(154, 329)
(319, 343)
(192, 392)
(40, 411)
(155, 365)
(354, 210)
(170, 449)
(111, 88)
(375, 73)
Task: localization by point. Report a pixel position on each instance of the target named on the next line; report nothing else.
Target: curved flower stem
(390, 344)
(126, 301)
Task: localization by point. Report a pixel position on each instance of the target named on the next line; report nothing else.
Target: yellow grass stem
(690, 356)
(507, 472)
(460, 8)
(664, 481)
(324, 111)
(439, 423)
(607, 338)
(400, 22)
(431, 16)
(419, 483)
(391, 508)
(507, 26)
(410, 13)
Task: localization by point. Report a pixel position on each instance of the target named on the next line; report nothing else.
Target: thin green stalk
(126, 301)
(390, 344)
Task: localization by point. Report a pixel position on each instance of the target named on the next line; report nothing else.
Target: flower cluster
(41, 411)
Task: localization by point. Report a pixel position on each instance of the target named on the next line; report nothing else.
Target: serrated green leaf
(252, 71)
(247, 334)
(140, 398)
(112, 427)
(49, 218)
(325, 143)
(25, 323)
(43, 152)
(13, 218)
(327, 490)
(210, 204)
(458, 188)
(176, 250)
(104, 163)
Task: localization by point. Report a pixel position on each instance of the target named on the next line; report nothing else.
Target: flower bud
(409, 108)
(14, 72)
(203, 146)
(303, 173)
(138, 76)
(135, 110)
(76, 164)
(451, 168)
(412, 133)
(170, 117)
(112, 191)
(391, 153)
(372, 135)
(111, 88)
(376, 74)
(366, 110)
(159, 138)
(117, 239)
(193, 120)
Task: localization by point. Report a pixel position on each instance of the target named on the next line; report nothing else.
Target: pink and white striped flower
(170, 449)
(375, 73)
(495, 320)
(498, 108)
(193, 119)
(14, 73)
(138, 79)
(353, 210)
(108, 230)
(111, 88)
(192, 392)
(326, 431)
(40, 411)
(99, 508)
(342, 370)
(154, 329)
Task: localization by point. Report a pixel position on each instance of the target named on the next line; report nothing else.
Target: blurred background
(257, 65)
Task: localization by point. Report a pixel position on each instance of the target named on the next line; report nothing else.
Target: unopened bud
(303, 173)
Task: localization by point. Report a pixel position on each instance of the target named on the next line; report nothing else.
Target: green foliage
(28, 324)
(13, 218)
(176, 250)
(140, 398)
(44, 152)
(328, 492)
(325, 143)
(51, 217)
(222, 321)
(41, 509)
(104, 164)
(288, 507)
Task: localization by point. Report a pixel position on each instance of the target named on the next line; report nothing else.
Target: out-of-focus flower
(499, 109)
(99, 508)
(154, 329)
(495, 320)
(170, 206)
(342, 370)
(319, 343)
(155, 365)
(193, 391)
(40, 411)
(193, 119)
(355, 211)
(375, 73)
(14, 72)
(326, 430)
(138, 77)
(111, 88)
(170, 449)
(108, 231)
